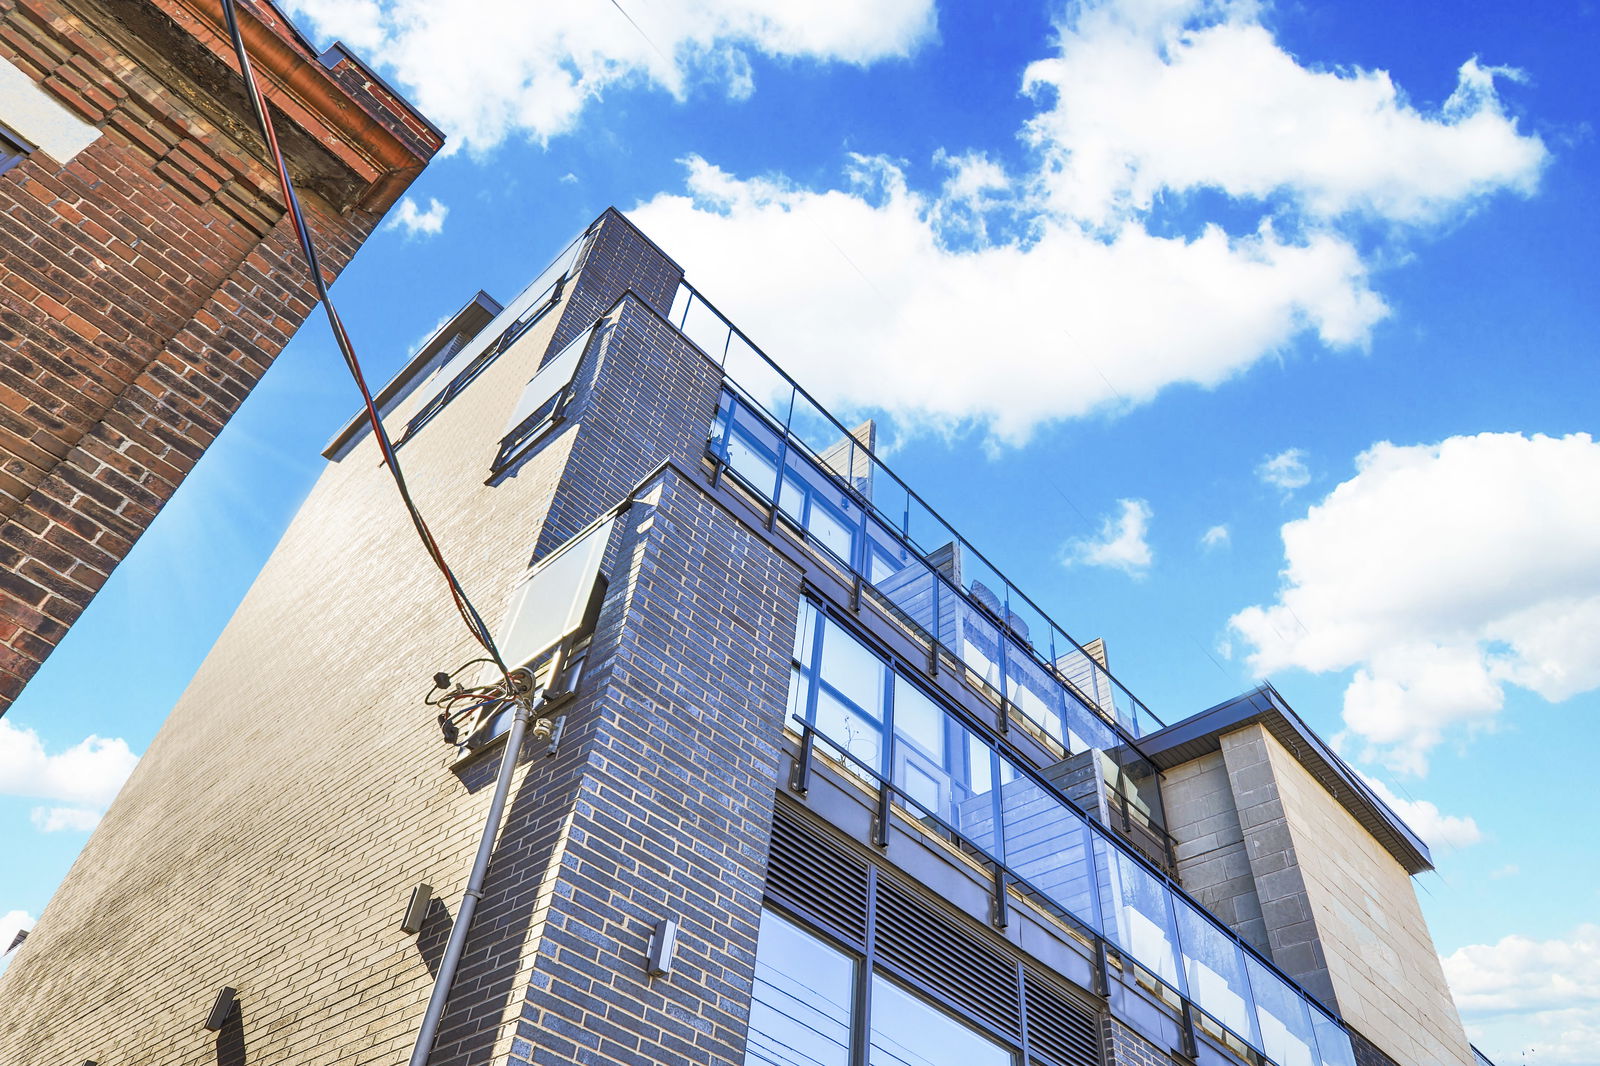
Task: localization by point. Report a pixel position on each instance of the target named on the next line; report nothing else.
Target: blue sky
(1256, 339)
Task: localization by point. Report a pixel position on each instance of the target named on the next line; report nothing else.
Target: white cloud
(55, 819)
(1547, 987)
(1441, 574)
(1158, 95)
(1005, 335)
(1215, 537)
(1004, 301)
(1287, 470)
(1443, 833)
(416, 221)
(87, 774)
(1120, 544)
(491, 70)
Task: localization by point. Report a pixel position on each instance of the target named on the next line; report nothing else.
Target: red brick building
(148, 274)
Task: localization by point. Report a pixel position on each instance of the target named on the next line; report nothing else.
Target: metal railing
(899, 513)
(1038, 841)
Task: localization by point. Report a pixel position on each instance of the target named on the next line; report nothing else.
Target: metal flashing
(1202, 733)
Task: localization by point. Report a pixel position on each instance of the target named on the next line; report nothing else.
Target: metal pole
(480, 869)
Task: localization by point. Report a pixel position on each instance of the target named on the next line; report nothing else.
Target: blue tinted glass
(800, 1006)
(909, 1032)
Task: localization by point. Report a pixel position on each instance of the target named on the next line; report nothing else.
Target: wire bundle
(469, 614)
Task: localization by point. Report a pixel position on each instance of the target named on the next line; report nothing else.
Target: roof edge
(1202, 733)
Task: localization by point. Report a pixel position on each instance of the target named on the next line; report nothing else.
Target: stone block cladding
(1381, 959)
(149, 281)
(1209, 845)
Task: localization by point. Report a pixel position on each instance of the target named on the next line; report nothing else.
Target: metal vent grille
(1058, 1030)
(815, 878)
(929, 949)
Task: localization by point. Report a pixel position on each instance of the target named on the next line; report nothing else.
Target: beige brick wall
(269, 836)
(1380, 958)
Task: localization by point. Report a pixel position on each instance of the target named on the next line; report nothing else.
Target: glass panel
(1046, 845)
(549, 379)
(762, 381)
(706, 328)
(1034, 692)
(852, 669)
(979, 645)
(1136, 915)
(800, 1005)
(815, 501)
(908, 1032)
(753, 451)
(1285, 1021)
(1333, 1043)
(1214, 966)
(551, 602)
(854, 733)
(943, 766)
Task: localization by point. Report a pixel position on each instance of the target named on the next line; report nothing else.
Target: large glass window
(947, 773)
(908, 1032)
(801, 1004)
(542, 400)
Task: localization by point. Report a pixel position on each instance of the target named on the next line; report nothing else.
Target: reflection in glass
(1285, 1021)
(1137, 918)
(1046, 844)
(942, 766)
(1333, 1043)
(800, 1006)
(1214, 966)
(908, 1032)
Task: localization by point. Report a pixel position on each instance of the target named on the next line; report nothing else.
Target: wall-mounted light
(417, 909)
(222, 1009)
(663, 945)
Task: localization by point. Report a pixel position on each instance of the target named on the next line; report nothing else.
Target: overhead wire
(258, 105)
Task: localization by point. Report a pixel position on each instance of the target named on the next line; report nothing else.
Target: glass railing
(883, 727)
(775, 436)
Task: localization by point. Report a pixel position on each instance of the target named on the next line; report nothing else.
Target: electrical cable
(258, 104)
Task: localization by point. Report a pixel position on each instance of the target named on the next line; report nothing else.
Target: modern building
(148, 276)
(893, 814)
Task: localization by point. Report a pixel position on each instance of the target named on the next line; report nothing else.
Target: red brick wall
(145, 286)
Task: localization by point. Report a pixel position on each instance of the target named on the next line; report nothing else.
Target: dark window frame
(14, 148)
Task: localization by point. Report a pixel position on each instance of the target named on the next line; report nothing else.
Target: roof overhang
(1202, 734)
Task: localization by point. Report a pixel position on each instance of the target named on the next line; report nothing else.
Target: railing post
(800, 781)
(1002, 906)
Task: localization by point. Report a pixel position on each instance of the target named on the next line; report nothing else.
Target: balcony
(875, 722)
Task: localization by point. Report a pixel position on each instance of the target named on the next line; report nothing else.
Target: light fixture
(417, 909)
(663, 945)
(222, 1009)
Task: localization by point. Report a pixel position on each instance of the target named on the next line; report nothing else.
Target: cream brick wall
(1381, 960)
(270, 834)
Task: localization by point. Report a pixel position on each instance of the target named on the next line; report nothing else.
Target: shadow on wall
(230, 1039)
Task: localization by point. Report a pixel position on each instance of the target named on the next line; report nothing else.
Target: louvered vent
(811, 875)
(929, 949)
(1058, 1030)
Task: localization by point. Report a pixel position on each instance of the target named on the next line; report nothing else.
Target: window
(804, 998)
(908, 1032)
(523, 313)
(800, 1006)
(543, 400)
(489, 725)
(13, 149)
(950, 777)
(558, 598)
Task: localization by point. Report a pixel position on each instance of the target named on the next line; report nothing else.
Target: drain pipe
(480, 868)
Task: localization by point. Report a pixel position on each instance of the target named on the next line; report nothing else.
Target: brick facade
(149, 281)
(269, 837)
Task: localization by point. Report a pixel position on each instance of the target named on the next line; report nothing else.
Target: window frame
(14, 148)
